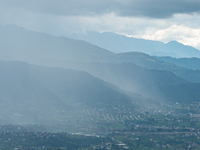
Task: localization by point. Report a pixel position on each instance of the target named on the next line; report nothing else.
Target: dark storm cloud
(149, 8)
(63, 7)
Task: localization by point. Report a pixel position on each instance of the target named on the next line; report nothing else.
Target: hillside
(192, 63)
(42, 49)
(17, 43)
(161, 63)
(120, 74)
(182, 93)
(132, 78)
(34, 94)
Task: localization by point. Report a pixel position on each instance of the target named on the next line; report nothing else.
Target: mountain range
(120, 44)
(44, 76)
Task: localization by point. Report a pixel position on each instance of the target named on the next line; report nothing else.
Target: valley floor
(164, 127)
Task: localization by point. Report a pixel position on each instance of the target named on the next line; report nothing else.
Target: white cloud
(182, 34)
(148, 8)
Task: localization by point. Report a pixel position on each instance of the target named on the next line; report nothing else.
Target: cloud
(182, 34)
(146, 8)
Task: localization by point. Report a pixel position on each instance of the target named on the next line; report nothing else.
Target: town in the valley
(167, 126)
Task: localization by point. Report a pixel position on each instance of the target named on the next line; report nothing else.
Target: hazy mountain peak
(120, 43)
(177, 44)
(173, 42)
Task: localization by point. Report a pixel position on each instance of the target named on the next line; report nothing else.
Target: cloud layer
(148, 8)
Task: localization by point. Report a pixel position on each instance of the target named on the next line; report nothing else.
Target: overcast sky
(161, 20)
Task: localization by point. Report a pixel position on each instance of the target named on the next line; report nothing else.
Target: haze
(99, 74)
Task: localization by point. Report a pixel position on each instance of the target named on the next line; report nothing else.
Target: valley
(173, 126)
(67, 91)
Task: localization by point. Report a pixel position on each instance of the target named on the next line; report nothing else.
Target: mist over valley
(53, 84)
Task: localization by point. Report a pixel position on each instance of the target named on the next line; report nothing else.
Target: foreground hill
(33, 94)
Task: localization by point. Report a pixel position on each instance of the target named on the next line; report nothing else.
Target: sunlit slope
(147, 82)
(79, 87)
(133, 78)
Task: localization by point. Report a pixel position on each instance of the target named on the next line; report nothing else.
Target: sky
(160, 20)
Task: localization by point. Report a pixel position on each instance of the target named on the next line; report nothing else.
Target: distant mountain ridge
(17, 43)
(185, 71)
(132, 72)
(120, 44)
(192, 63)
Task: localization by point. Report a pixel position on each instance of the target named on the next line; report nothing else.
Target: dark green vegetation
(117, 101)
(20, 137)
